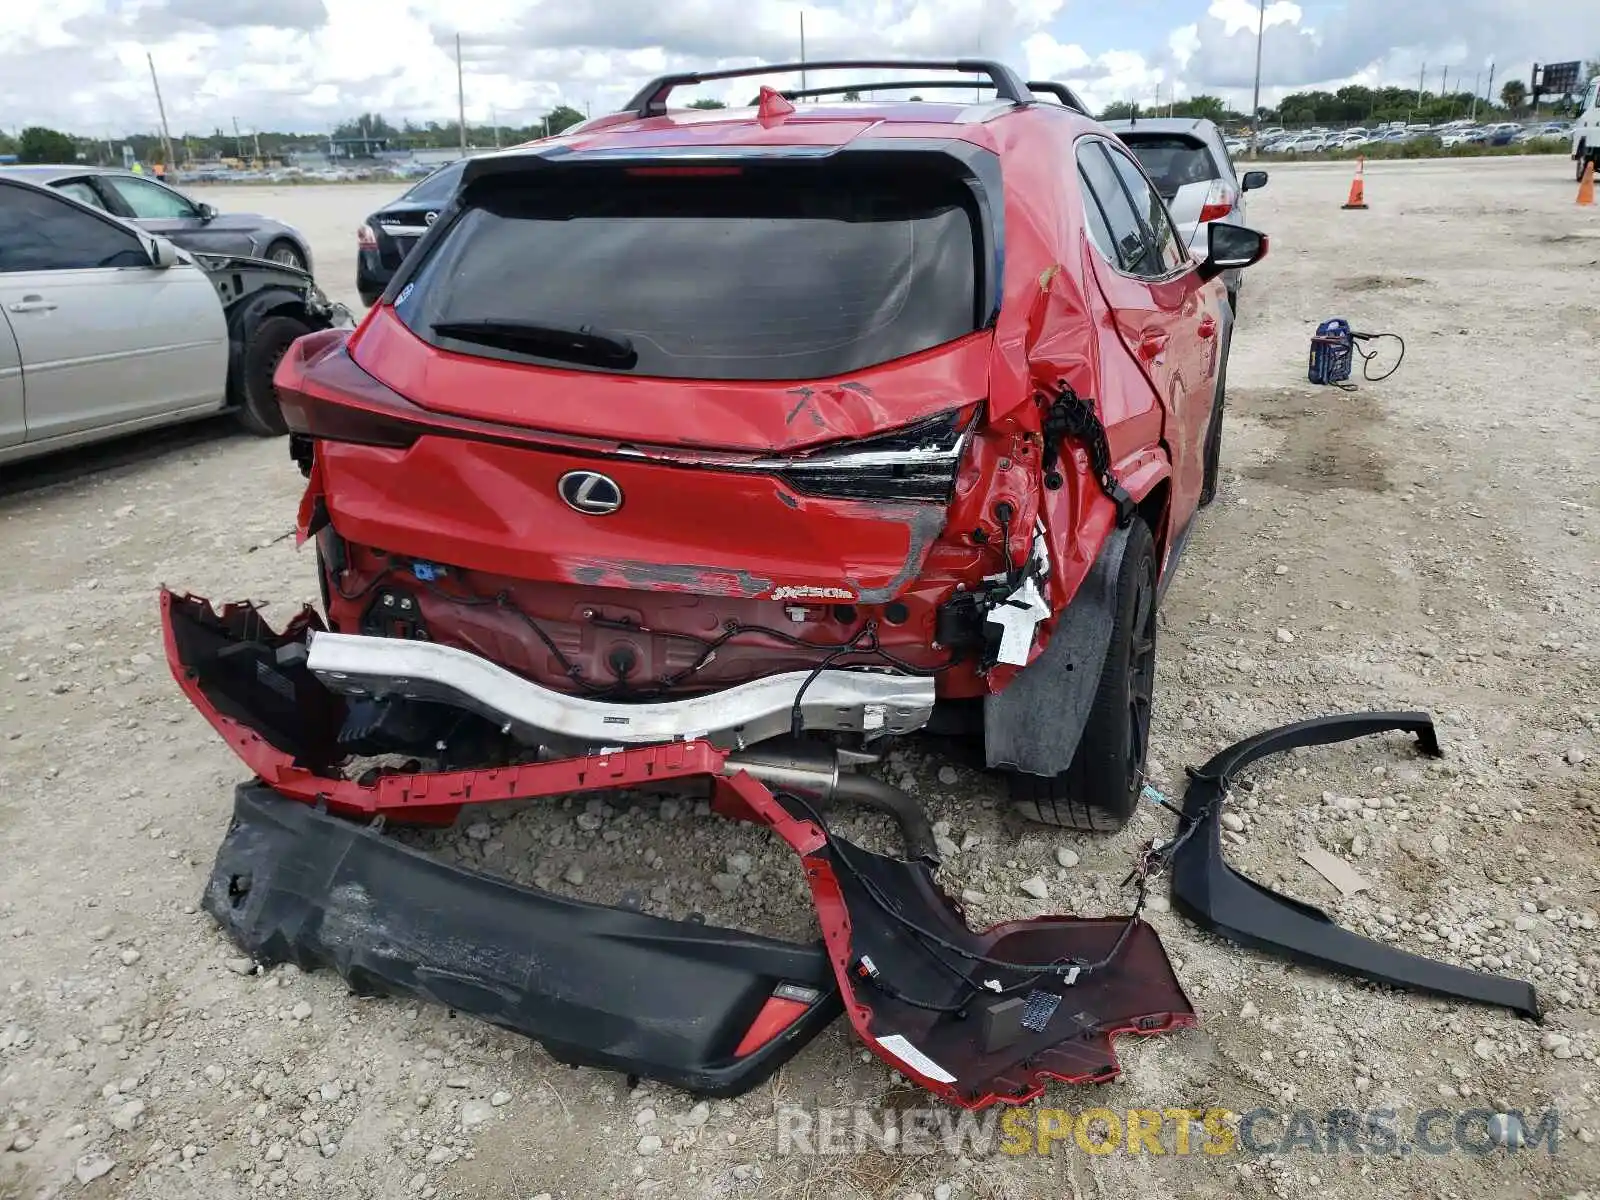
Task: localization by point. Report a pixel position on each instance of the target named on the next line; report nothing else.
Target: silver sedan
(157, 208)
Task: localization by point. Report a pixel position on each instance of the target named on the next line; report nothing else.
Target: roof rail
(651, 100)
(1068, 98)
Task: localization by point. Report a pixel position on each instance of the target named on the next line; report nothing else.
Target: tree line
(366, 132)
(1357, 105)
(1351, 105)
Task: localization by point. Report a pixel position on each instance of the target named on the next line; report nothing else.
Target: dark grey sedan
(157, 208)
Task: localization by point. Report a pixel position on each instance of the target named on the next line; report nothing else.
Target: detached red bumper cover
(974, 1017)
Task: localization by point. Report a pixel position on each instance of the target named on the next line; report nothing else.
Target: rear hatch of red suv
(635, 377)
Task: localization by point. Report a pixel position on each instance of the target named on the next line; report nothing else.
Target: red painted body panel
(472, 484)
(707, 415)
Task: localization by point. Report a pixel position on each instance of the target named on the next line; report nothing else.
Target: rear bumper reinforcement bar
(1210, 892)
(871, 702)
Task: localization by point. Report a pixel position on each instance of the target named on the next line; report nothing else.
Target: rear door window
(779, 272)
(1113, 223)
(1167, 254)
(1172, 162)
(41, 232)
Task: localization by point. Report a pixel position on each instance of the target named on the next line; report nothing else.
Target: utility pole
(166, 137)
(802, 49)
(495, 123)
(238, 142)
(1488, 92)
(461, 99)
(1473, 115)
(1255, 101)
(1444, 83)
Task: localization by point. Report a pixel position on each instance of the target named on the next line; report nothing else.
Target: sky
(305, 65)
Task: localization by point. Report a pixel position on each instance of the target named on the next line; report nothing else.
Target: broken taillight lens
(914, 462)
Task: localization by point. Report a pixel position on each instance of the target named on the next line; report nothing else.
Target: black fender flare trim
(1219, 899)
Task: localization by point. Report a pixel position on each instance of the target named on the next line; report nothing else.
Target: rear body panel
(704, 534)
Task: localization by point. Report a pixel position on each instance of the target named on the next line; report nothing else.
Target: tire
(287, 254)
(1212, 480)
(1099, 792)
(1582, 159)
(258, 408)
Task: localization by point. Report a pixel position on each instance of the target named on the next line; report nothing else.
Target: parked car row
(158, 208)
(109, 324)
(1188, 161)
(1453, 133)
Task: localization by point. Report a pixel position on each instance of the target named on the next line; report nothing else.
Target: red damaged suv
(726, 445)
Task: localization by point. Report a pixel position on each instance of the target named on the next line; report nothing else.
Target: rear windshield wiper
(583, 343)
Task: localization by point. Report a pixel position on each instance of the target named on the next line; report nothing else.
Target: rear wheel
(259, 411)
(1581, 161)
(1100, 790)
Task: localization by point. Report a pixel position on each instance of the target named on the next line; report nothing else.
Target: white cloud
(306, 64)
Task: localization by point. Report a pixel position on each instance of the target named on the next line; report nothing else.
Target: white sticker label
(919, 1062)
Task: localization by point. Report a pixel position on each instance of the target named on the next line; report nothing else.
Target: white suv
(1586, 129)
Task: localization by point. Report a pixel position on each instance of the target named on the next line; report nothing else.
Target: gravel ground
(1428, 541)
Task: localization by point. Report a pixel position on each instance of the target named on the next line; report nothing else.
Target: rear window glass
(1172, 162)
(777, 273)
(438, 186)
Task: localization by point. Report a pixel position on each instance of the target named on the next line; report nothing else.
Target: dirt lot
(1429, 541)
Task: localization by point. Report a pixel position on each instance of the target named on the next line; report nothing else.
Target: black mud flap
(598, 986)
(1211, 893)
(1034, 724)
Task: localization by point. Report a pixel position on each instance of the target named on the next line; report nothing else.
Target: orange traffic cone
(1586, 185)
(1358, 194)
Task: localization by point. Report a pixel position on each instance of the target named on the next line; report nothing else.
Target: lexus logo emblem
(590, 492)
(431, 218)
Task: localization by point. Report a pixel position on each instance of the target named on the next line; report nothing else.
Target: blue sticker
(404, 292)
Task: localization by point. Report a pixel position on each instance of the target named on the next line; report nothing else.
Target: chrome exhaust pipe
(817, 775)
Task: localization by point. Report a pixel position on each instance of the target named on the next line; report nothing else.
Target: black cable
(1366, 359)
(709, 646)
(930, 938)
(796, 717)
(1003, 514)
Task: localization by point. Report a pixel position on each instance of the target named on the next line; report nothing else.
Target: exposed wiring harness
(864, 642)
(935, 945)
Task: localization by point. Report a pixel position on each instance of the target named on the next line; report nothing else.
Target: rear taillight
(366, 239)
(915, 462)
(1219, 202)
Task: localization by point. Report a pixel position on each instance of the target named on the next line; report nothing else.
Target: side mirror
(1253, 180)
(1230, 248)
(163, 254)
(206, 211)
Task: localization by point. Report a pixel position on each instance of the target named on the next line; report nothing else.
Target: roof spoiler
(1063, 93)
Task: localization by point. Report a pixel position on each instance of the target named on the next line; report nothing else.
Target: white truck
(1586, 129)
